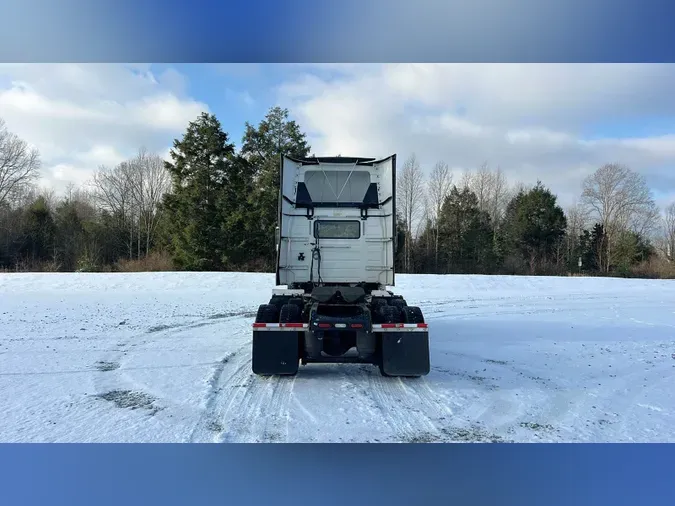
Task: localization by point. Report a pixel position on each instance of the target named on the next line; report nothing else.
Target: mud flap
(405, 353)
(275, 352)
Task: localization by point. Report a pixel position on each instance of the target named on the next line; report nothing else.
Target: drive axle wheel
(290, 313)
(390, 314)
(267, 313)
(297, 301)
(399, 303)
(412, 314)
(376, 306)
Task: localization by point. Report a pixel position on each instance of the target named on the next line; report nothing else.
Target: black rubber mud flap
(275, 353)
(405, 354)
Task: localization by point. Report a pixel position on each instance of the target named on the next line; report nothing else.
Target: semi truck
(335, 251)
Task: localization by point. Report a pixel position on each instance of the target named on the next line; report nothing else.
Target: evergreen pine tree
(534, 225)
(466, 234)
(201, 163)
(262, 148)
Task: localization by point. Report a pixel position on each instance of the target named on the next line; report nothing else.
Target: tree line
(481, 224)
(211, 206)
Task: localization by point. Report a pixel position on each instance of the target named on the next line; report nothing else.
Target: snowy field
(165, 357)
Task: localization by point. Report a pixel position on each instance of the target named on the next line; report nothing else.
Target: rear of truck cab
(335, 247)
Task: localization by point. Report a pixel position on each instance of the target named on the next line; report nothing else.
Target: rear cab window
(337, 229)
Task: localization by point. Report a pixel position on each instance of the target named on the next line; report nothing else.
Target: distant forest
(212, 207)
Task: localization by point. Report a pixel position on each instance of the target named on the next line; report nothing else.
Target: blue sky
(644, 126)
(553, 122)
(236, 95)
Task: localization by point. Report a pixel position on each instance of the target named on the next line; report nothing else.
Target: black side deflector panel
(302, 198)
(371, 198)
(275, 353)
(405, 353)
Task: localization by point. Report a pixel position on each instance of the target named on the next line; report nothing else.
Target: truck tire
(267, 313)
(376, 304)
(290, 313)
(278, 301)
(412, 314)
(400, 303)
(297, 301)
(390, 314)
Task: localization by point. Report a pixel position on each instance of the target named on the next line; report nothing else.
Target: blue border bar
(345, 31)
(504, 474)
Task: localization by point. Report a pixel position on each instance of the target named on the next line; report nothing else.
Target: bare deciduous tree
(113, 192)
(410, 195)
(440, 184)
(577, 220)
(499, 196)
(132, 192)
(621, 200)
(149, 182)
(668, 239)
(479, 183)
(491, 190)
(19, 165)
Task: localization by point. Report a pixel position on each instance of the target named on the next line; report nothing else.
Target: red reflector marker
(357, 326)
(422, 325)
(258, 325)
(324, 325)
(292, 325)
(388, 325)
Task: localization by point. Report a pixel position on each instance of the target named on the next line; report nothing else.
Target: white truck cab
(335, 260)
(337, 222)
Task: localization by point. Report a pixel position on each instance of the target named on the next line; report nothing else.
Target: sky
(551, 122)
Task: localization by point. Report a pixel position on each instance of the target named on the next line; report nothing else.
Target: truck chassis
(339, 324)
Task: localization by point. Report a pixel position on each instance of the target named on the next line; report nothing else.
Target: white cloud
(163, 112)
(63, 174)
(22, 99)
(99, 155)
(83, 116)
(531, 120)
(528, 119)
(662, 147)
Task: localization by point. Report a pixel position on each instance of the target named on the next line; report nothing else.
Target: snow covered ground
(165, 357)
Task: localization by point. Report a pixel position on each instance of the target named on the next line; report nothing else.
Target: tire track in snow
(220, 384)
(261, 414)
(243, 407)
(120, 378)
(512, 305)
(125, 345)
(214, 319)
(112, 375)
(404, 405)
